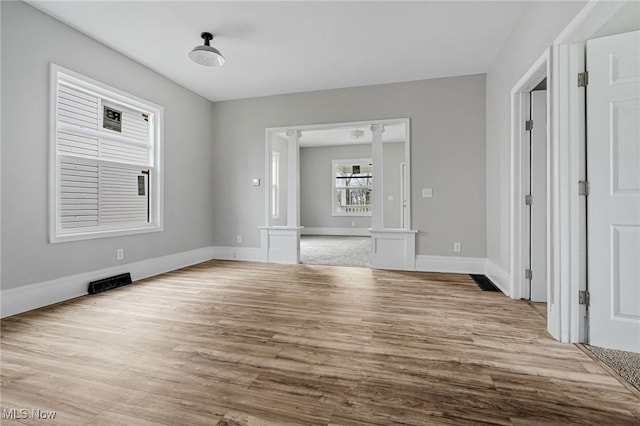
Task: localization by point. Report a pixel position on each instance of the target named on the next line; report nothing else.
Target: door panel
(613, 208)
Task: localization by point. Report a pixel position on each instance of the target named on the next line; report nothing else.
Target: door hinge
(528, 200)
(583, 297)
(583, 187)
(528, 274)
(583, 79)
(528, 125)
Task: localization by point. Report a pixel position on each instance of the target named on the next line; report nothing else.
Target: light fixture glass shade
(207, 55)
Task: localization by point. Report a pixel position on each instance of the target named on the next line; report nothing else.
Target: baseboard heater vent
(109, 283)
(484, 283)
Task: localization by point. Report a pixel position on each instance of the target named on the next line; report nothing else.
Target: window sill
(103, 233)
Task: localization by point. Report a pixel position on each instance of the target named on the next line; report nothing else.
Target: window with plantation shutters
(105, 160)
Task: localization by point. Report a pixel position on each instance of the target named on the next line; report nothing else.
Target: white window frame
(334, 164)
(56, 233)
(275, 184)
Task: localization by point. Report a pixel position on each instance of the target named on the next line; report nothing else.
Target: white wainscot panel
(393, 249)
(282, 244)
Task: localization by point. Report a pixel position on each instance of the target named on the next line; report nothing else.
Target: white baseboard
(500, 277)
(352, 232)
(452, 264)
(33, 296)
(239, 253)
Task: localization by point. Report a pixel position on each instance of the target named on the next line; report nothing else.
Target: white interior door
(538, 182)
(613, 205)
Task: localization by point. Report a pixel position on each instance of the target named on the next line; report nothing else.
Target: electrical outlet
(119, 254)
(239, 239)
(353, 223)
(457, 247)
(427, 192)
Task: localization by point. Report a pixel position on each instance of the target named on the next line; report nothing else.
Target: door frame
(291, 248)
(566, 319)
(520, 111)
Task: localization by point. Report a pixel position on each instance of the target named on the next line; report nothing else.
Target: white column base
(393, 249)
(281, 243)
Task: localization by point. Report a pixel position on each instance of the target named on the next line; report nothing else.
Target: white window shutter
(124, 195)
(78, 195)
(106, 148)
(77, 107)
(135, 125)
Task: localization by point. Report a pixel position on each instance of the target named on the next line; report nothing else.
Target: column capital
(377, 127)
(296, 132)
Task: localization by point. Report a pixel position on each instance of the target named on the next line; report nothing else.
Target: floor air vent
(109, 283)
(484, 283)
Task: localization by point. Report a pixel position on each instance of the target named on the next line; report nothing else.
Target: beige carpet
(335, 250)
(626, 364)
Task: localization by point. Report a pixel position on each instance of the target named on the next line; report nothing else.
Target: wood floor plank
(254, 344)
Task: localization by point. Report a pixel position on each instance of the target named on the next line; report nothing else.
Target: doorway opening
(335, 250)
(337, 187)
(536, 198)
(530, 176)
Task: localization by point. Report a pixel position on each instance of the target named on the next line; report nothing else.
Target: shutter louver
(123, 152)
(134, 124)
(76, 107)
(104, 162)
(78, 195)
(77, 145)
(119, 199)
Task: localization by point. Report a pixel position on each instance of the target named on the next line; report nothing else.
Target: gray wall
(27, 257)
(316, 187)
(447, 149)
(540, 25)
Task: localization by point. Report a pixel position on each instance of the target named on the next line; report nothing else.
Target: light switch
(390, 197)
(255, 182)
(427, 192)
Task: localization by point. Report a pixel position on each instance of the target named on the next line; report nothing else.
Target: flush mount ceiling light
(357, 134)
(205, 54)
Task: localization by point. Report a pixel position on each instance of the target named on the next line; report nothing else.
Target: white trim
(275, 188)
(567, 259)
(451, 264)
(329, 126)
(280, 244)
(59, 74)
(393, 249)
(251, 254)
(353, 232)
(540, 69)
(404, 261)
(500, 277)
(391, 121)
(38, 295)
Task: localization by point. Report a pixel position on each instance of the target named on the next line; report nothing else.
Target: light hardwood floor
(239, 343)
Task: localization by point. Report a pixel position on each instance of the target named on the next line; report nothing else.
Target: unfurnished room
(320, 212)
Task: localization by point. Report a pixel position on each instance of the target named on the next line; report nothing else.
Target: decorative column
(390, 248)
(293, 179)
(377, 203)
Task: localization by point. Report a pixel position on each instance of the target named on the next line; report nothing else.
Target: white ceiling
(297, 46)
